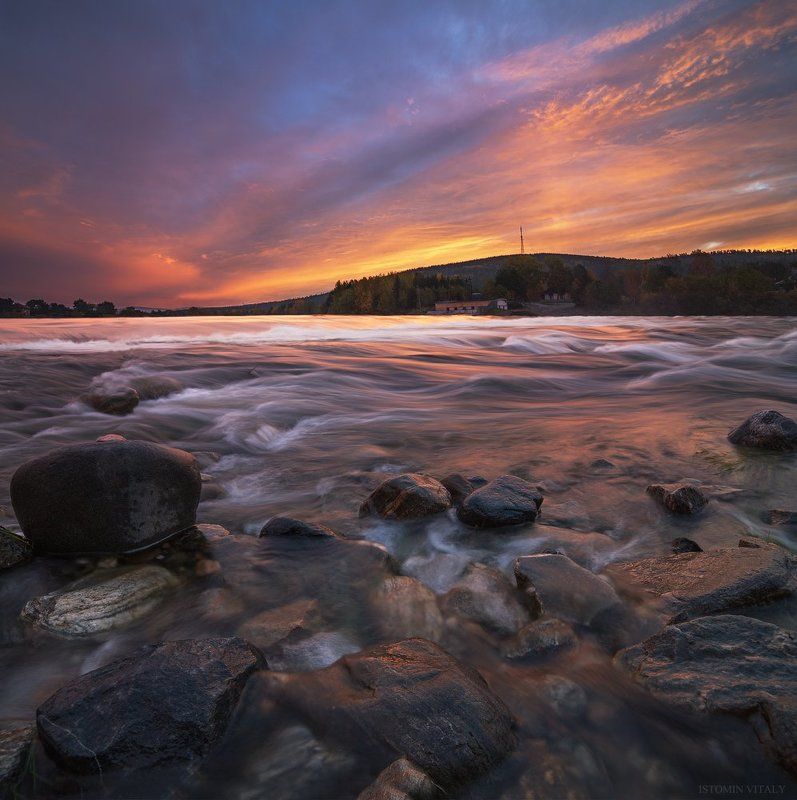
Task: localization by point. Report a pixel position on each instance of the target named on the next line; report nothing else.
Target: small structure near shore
(469, 306)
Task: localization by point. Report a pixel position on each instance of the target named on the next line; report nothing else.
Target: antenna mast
(522, 247)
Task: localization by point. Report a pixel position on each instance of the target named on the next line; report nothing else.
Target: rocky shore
(365, 665)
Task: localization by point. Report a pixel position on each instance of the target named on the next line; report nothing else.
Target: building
(556, 297)
(469, 306)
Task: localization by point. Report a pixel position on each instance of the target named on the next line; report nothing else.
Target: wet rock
(118, 401)
(109, 497)
(726, 665)
(505, 501)
(205, 567)
(402, 780)
(111, 437)
(564, 588)
(15, 741)
(408, 496)
(587, 548)
(14, 550)
(540, 638)
(275, 624)
(779, 516)
(567, 697)
(693, 584)
(288, 526)
(211, 489)
(403, 607)
(486, 596)
(458, 487)
(299, 652)
(684, 545)
(219, 604)
(90, 607)
(153, 387)
(769, 430)
(678, 498)
(409, 699)
(438, 571)
(165, 702)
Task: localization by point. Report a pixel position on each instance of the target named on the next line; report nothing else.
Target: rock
(540, 638)
(505, 501)
(298, 652)
(726, 664)
(486, 596)
(404, 608)
(407, 496)
(438, 571)
(684, 545)
(409, 699)
(287, 526)
(109, 497)
(111, 437)
(402, 780)
(119, 401)
(779, 516)
(678, 498)
(16, 739)
(153, 387)
(564, 588)
(769, 430)
(274, 624)
(693, 584)
(458, 487)
(88, 607)
(211, 489)
(165, 702)
(567, 698)
(14, 549)
(205, 567)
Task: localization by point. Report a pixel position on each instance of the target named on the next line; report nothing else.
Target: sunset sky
(175, 153)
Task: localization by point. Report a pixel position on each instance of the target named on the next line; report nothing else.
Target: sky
(196, 152)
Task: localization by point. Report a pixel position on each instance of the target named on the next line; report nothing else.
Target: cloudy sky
(199, 152)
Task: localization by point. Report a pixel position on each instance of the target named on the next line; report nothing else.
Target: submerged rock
(89, 607)
(769, 430)
(153, 387)
(564, 588)
(540, 638)
(458, 487)
(693, 584)
(407, 496)
(684, 545)
(402, 780)
(274, 624)
(409, 699)
(505, 501)
(403, 608)
(165, 702)
(106, 497)
(438, 571)
(485, 595)
(14, 550)
(779, 516)
(726, 664)
(15, 741)
(300, 652)
(118, 401)
(288, 526)
(677, 498)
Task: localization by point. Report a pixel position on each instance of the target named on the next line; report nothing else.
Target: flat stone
(507, 500)
(689, 585)
(165, 702)
(403, 607)
(95, 606)
(678, 498)
(407, 496)
(14, 550)
(16, 739)
(564, 588)
(768, 430)
(288, 526)
(401, 780)
(726, 665)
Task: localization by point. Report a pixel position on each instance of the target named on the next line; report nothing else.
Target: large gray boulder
(769, 430)
(507, 500)
(407, 496)
(105, 497)
(165, 702)
(726, 665)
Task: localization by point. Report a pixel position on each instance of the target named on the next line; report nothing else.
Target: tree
(106, 308)
(82, 306)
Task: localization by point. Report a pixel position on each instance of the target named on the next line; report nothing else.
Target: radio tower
(522, 248)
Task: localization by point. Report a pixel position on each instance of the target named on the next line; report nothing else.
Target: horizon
(193, 155)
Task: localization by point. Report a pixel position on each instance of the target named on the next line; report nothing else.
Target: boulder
(564, 588)
(165, 702)
(402, 780)
(288, 526)
(403, 608)
(14, 549)
(678, 498)
(726, 665)
(153, 387)
(409, 699)
(505, 501)
(408, 496)
(485, 595)
(105, 497)
(684, 545)
(118, 401)
(95, 605)
(780, 516)
(16, 739)
(689, 585)
(540, 638)
(769, 430)
(458, 487)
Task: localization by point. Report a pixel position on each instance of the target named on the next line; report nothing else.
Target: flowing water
(303, 416)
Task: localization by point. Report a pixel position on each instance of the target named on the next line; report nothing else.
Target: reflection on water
(304, 415)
